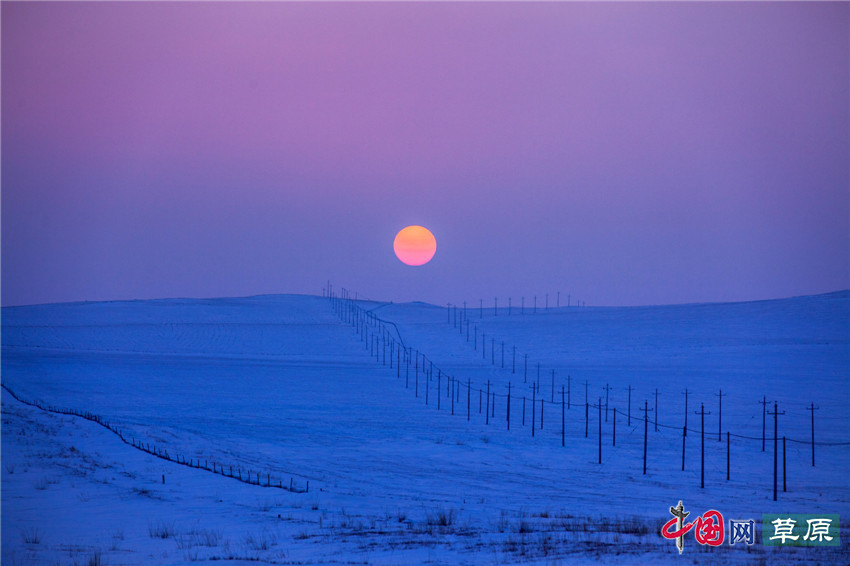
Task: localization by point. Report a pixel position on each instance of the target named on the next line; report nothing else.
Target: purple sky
(624, 153)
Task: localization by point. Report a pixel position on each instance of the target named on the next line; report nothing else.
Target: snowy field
(292, 389)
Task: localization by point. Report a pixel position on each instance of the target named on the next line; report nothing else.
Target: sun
(415, 245)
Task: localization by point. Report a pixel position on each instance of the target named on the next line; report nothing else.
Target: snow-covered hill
(284, 386)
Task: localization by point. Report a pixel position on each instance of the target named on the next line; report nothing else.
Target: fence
(229, 471)
(388, 348)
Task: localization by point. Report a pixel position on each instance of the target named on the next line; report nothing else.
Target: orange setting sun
(415, 245)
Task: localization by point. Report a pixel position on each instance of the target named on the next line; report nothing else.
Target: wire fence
(228, 470)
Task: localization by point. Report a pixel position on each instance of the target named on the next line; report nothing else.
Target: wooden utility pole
(563, 427)
(812, 408)
(509, 406)
(600, 429)
(720, 416)
(553, 386)
(487, 412)
(646, 410)
(656, 409)
(533, 407)
(702, 415)
(775, 414)
(763, 420)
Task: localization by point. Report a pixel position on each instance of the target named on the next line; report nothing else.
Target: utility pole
(720, 416)
(600, 428)
(686, 411)
(487, 412)
(553, 386)
(533, 406)
(563, 427)
(656, 409)
(646, 410)
(775, 414)
(630, 405)
(812, 408)
(607, 388)
(702, 415)
(509, 405)
(763, 419)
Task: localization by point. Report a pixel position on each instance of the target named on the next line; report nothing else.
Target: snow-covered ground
(284, 387)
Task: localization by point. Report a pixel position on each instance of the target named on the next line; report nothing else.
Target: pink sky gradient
(625, 153)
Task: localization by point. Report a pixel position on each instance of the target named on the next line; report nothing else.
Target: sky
(619, 153)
